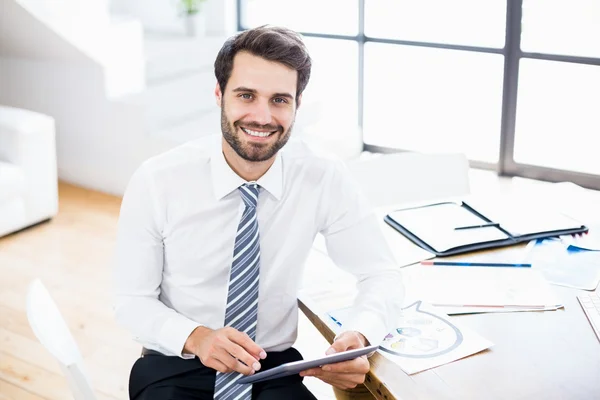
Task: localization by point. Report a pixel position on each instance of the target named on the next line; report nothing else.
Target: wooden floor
(72, 255)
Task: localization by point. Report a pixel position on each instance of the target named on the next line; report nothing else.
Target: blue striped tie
(242, 299)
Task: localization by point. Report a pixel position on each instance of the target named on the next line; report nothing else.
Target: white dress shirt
(176, 233)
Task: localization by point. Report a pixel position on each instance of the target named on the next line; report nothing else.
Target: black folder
(449, 228)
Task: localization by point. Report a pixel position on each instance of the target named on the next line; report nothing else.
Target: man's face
(258, 107)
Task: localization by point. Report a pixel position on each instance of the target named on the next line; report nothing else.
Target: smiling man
(213, 237)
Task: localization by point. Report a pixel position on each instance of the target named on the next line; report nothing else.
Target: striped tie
(242, 299)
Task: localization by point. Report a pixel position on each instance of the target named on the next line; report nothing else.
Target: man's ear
(299, 101)
(218, 95)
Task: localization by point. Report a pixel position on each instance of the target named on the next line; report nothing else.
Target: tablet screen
(296, 367)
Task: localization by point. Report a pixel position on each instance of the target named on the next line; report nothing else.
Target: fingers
(344, 375)
(226, 350)
(217, 365)
(347, 341)
(359, 365)
(248, 362)
(243, 340)
(342, 381)
(311, 372)
(349, 381)
(234, 364)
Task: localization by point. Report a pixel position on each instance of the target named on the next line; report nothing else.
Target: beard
(254, 152)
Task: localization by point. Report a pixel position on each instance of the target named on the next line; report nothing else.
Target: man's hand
(346, 374)
(225, 350)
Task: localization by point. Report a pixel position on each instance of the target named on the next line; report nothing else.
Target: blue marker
(474, 264)
(338, 323)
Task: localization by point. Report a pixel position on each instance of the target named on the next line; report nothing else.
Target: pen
(460, 228)
(338, 323)
(474, 264)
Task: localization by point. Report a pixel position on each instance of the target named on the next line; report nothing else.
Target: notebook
(449, 228)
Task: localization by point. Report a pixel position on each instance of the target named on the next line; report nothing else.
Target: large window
(558, 118)
(433, 100)
(514, 84)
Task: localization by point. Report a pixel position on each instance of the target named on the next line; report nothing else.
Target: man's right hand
(225, 349)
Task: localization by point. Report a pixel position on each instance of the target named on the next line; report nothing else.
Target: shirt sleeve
(356, 244)
(138, 271)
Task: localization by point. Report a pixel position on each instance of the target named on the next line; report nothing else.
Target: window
(332, 92)
(466, 22)
(561, 27)
(512, 84)
(433, 100)
(558, 118)
(317, 16)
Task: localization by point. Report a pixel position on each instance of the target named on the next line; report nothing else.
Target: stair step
(170, 57)
(170, 102)
(194, 127)
(173, 100)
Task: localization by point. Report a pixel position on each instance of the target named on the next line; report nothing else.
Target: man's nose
(262, 113)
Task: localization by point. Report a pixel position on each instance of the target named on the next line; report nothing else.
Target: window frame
(512, 53)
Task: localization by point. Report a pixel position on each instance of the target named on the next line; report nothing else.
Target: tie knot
(249, 193)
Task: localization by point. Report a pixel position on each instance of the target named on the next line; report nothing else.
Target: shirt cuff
(174, 334)
(369, 325)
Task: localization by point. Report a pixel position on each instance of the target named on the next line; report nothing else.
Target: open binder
(449, 228)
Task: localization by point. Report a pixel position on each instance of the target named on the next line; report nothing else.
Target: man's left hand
(345, 374)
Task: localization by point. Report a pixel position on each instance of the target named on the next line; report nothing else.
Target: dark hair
(272, 43)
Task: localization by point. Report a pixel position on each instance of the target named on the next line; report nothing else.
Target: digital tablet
(296, 367)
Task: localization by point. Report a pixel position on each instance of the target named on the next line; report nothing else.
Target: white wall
(164, 16)
(83, 24)
(99, 141)
(71, 31)
(20, 34)
(43, 70)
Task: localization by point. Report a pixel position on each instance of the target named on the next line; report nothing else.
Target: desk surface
(536, 355)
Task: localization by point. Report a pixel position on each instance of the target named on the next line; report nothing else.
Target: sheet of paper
(588, 241)
(564, 266)
(478, 286)
(425, 338)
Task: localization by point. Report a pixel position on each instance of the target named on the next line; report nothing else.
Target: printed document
(425, 338)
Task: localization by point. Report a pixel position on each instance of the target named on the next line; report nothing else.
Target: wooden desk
(536, 355)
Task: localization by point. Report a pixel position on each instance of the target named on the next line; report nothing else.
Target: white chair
(51, 330)
(28, 172)
(407, 177)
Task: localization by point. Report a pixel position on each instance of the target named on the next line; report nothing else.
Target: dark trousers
(159, 377)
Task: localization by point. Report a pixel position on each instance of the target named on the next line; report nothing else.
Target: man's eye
(246, 96)
(280, 100)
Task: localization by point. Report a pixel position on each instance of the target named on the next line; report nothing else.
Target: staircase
(179, 101)
(118, 96)
(120, 92)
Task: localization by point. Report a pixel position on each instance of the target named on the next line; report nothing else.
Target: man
(212, 241)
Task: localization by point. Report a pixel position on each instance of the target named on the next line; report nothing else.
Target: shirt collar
(225, 180)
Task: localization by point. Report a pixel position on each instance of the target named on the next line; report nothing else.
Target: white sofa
(28, 175)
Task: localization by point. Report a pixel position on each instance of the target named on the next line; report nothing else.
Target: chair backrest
(51, 330)
(408, 177)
